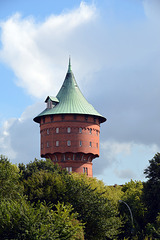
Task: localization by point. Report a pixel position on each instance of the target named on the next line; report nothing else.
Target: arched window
(68, 130)
(90, 144)
(80, 143)
(90, 130)
(68, 143)
(57, 143)
(48, 131)
(57, 130)
(80, 130)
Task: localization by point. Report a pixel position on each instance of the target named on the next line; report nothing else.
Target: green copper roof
(71, 100)
(53, 99)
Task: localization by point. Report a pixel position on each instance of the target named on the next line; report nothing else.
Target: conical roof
(70, 100)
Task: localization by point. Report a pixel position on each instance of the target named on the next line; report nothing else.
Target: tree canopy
(41, 201)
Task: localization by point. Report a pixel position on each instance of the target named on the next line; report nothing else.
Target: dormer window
(51, 102)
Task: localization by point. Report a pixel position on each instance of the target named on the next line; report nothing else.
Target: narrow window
(80, 143)
(90, 130)
(85, 170)
(49, 103)
(68, 130)
(90, 144)
(68, 143)
(80, 130)
(51, 118)
(47, 144)
(57, 143)
(97, 133)
(57, 130)
(47, 131)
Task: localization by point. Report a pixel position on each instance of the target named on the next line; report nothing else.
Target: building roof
(69, 100)
(53, 99)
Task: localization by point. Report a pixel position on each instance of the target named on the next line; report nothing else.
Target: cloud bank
(34, 50)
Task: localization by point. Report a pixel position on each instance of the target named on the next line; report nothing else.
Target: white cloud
(125, 174)
(34, 50)
(19, 137)
(125, 160)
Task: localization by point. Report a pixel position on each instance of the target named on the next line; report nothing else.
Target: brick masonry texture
(70, 140)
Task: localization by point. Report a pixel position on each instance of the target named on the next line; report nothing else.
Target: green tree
(93, 207)
(10, 187)
(152, 188)
(37, 165)
(21, 221)
(45, 186)
(133, 196)
(88, 198)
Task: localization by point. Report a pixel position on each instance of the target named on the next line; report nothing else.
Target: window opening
(68, 130)
(85, 170)
(57, 143)
(49, 104)
(69, 169)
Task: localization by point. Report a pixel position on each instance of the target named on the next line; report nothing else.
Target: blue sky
(115, 51)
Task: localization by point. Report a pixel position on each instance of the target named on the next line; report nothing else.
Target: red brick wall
(84, 146)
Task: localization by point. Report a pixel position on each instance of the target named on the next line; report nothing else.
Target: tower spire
(69, 65)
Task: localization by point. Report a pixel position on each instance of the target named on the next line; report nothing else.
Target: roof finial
(69, 66)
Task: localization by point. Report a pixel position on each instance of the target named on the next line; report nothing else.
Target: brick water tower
(70, 128)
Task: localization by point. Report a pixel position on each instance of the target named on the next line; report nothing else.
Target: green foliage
(94, 209)
(153, 170)
(152, 188)
(88, 198)
(10, 187)
(20, 220)
(38, 165)
(45, 186)
(132, 196)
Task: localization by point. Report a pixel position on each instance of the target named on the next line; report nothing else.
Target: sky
(115, 52)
